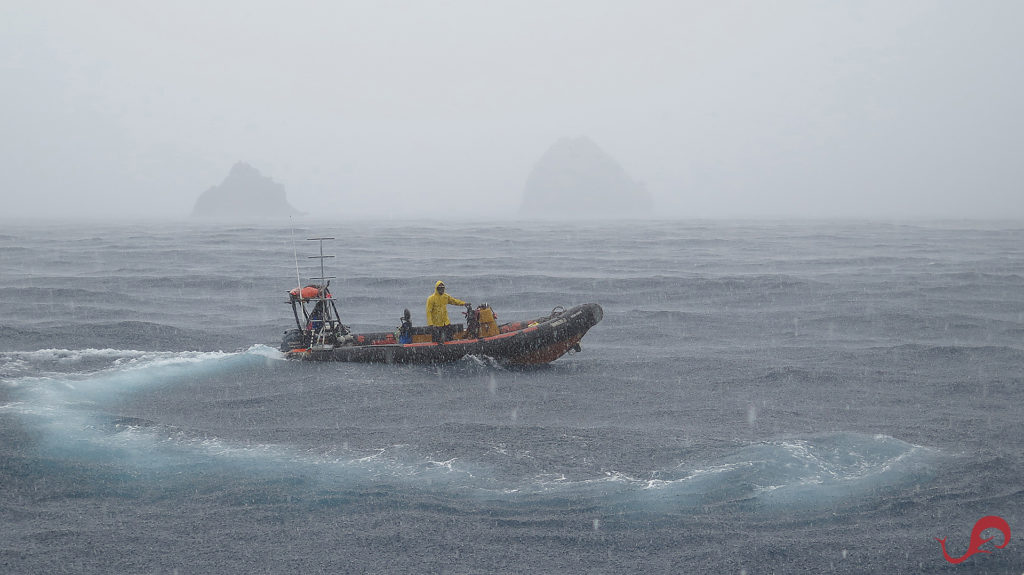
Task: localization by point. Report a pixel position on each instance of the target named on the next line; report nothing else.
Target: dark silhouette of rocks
(244, 193)
(576, 178)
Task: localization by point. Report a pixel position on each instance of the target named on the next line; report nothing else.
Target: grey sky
(826, 108)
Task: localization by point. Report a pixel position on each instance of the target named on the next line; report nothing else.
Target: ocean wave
(793, 473)
(96, 333)
(792, 374)
(92, 371)
(72, 295)
(959, 352)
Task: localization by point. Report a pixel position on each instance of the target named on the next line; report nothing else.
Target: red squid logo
(987, 522)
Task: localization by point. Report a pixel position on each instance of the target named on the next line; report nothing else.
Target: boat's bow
(554, 336)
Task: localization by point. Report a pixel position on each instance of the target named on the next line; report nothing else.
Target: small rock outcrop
(245, 193)
(576, 178)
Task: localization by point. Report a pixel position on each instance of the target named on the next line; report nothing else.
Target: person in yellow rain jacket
(437, 312)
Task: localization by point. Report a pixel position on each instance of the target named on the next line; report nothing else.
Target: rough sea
(761, 397)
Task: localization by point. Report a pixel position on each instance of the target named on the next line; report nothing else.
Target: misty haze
(739, 109)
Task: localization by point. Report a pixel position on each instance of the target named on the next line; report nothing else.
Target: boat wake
(69, 397)
(809, 473)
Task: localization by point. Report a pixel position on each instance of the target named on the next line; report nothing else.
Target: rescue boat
(319, 334)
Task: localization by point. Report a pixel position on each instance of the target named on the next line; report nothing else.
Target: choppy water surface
(760, 397)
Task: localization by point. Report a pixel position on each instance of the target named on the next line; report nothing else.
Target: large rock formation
(576, 178)
(245, 193)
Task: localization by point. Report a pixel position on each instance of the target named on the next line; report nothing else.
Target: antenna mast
(295, 252)
(330, 324)
(321, 257)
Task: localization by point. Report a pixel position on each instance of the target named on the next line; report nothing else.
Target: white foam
(800, 472)
(266, 351)
(797, 471)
